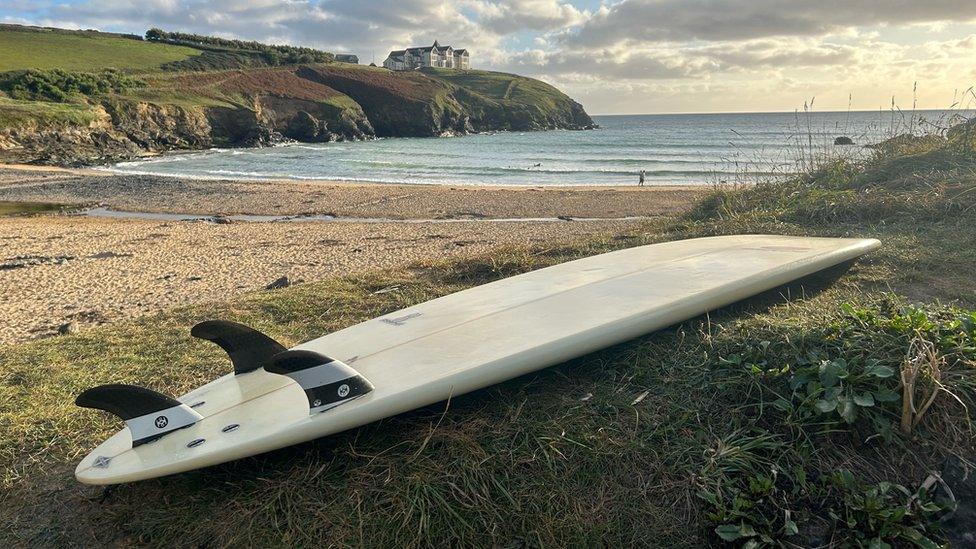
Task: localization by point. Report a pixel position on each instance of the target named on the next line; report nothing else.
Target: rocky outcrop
(154, 127)
(312, 103)
(396, 105)
(64, 144)
(312, 121)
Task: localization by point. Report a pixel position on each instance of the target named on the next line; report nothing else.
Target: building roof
(421, 49)
(397, 55)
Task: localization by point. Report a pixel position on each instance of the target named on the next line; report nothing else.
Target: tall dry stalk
(922, 362)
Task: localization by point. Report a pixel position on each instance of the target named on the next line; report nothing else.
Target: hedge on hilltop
(270, 53)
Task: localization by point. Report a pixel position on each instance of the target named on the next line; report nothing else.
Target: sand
(181, 195)
(58, 270)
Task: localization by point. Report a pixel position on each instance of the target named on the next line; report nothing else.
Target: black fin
(327, 382)
(148, 414)
(125, 401)
(248, 348)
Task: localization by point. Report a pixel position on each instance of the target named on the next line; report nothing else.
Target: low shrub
(63, 86)
(816, 395)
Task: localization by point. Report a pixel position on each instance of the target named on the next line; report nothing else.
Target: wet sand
(58, 270)
(188, 196)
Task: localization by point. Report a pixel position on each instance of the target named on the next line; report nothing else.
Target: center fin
(148, 414)
(248, 348)
(327, 382)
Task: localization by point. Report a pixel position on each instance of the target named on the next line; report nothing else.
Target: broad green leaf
(826, 406)
(878, 543)
(829, 374)
(783, 404)
(919, 539)
(730, 532)
(799, 380)
(864, 400)
(881, 371)
(709, 497)
(847, 409)
(886, 395)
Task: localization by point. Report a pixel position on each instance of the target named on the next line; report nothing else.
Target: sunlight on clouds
(625, 56)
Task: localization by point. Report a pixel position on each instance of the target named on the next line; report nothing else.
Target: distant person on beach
(640, 180)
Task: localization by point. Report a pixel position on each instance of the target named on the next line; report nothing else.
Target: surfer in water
(640, 179)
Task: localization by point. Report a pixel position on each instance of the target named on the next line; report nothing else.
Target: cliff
(90, 113)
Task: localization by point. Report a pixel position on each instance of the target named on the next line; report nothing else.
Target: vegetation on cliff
(237, 93)
(62, 86)
(270, 54)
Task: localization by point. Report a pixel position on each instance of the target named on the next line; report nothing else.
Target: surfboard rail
(465, 341)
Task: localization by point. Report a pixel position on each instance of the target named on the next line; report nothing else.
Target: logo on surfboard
(399, 321)
(161, 421)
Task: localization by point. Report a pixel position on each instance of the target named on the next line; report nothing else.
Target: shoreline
(97, 171)
(84, 187)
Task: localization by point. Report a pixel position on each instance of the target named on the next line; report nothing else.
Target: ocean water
(671, 149)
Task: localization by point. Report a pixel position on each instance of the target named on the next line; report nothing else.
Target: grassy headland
(781, 420)
(128, 96)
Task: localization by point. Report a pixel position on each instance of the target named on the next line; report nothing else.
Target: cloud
(657, 62)
(508, 16)
(628, 55)
(721, 20)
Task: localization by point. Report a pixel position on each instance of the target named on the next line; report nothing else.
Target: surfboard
(436, 350)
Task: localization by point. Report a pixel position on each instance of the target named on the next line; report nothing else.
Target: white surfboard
(435, 350)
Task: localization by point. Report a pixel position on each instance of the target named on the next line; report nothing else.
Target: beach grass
(724, 427)
(79, 51)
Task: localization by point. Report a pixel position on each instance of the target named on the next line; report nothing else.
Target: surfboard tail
(327, 382)
(148, 414)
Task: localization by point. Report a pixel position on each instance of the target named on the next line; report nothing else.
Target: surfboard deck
(472, 339)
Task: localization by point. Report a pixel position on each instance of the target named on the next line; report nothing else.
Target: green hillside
(122, 97)
(83, 51)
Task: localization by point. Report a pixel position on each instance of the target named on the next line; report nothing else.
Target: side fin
(327, 382)
(148, 414)
(248, 348)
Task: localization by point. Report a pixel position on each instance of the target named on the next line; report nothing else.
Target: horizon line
(795, 111)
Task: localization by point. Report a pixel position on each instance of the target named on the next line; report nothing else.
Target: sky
(615, 57)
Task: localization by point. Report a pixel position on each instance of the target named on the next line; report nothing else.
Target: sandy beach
(180, 195)
(67, 269)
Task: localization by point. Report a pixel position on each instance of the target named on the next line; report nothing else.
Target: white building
(430, 56)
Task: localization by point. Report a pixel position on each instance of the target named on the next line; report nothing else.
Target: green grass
(14, 113)
(771, 420)
(502, 87)
(490, 84)
(44, 50)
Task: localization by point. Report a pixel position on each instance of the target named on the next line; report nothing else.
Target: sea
(672, 149)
